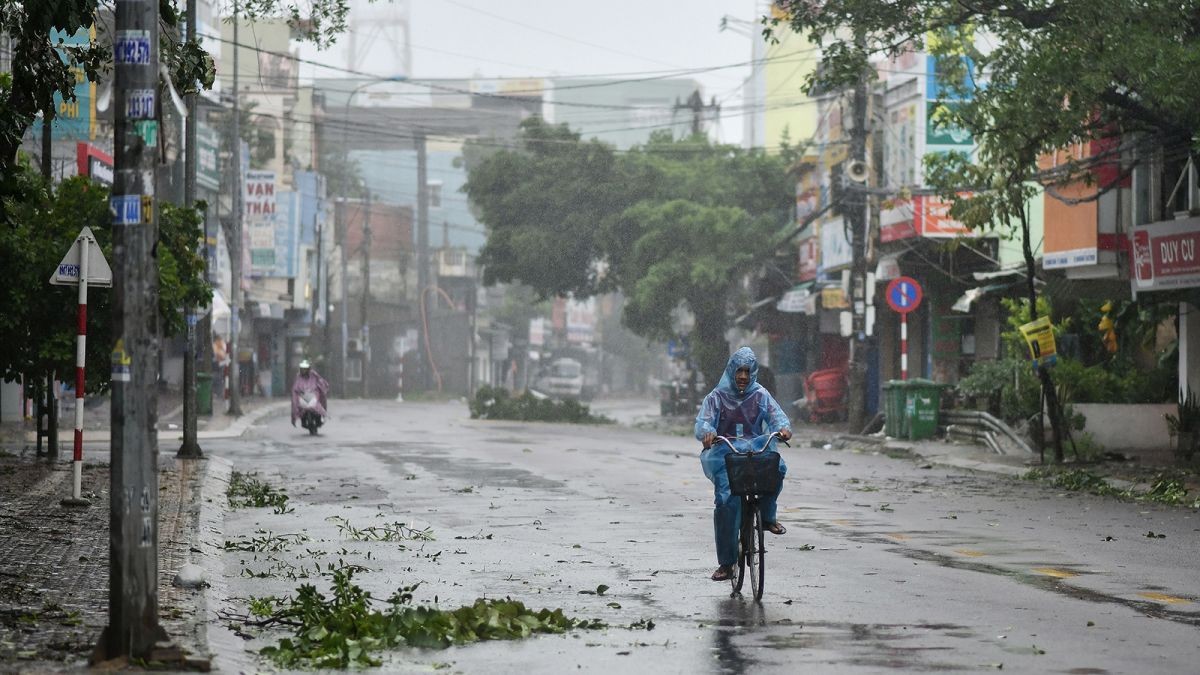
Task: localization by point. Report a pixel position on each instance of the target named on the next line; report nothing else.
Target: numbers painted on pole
(139, 104)
(132, 48)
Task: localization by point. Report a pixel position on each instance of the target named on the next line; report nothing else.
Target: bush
(493, 403)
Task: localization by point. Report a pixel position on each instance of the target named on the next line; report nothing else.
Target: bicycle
(752, 474)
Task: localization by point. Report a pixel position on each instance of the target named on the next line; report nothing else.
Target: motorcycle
(310, 412)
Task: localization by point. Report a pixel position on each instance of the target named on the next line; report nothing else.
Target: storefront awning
(796, 300)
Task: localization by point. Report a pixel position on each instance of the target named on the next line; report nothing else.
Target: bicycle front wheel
(754, 558)
(739, 574)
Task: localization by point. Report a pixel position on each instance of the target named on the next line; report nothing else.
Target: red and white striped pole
(80, 350)
(904, 346)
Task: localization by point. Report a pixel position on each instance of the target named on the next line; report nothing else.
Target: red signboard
(1166, 255)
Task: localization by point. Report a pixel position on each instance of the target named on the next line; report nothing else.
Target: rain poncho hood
(750, 412)
(743, 358)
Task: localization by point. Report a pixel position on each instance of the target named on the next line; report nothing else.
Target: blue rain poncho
(742, 415)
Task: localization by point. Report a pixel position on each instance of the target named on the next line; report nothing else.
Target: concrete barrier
(1130, 428)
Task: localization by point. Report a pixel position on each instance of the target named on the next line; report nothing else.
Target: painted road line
(1055, 572)
(970, 552)
(1163, 597)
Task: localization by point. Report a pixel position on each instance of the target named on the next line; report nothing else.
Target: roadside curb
(209, 540)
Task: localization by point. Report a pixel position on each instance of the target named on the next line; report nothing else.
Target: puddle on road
(471, 471)
(880, 642)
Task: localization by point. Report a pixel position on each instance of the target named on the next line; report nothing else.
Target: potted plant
(1185, 426)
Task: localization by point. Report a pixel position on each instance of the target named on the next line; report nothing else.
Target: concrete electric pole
(366, 298)
(423, 280)
(191, 446)
(235, 247)
(856, 214)
(133, 627)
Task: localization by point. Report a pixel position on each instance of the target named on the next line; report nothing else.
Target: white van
(564, 379)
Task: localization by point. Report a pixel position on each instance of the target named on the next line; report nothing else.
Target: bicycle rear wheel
(754, 559)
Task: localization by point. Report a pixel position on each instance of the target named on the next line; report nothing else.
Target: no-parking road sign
(904, 294)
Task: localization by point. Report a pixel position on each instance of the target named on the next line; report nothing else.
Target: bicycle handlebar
(773, 434)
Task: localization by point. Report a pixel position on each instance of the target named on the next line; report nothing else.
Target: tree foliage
(672, 224)
(37, 320)
(1044, 75)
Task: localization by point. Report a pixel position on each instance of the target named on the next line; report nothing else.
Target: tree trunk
(710, 349)
(1048, 390)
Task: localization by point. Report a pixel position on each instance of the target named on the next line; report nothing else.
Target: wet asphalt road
(889, 565)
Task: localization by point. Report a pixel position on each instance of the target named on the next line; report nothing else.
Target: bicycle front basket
(753, 474)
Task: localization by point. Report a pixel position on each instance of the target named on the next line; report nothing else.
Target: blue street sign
(126, 209)
(904, 294)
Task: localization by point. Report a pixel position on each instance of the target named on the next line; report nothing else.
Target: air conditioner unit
(354, 345)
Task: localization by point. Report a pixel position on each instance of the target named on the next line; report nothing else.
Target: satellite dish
(856, 171)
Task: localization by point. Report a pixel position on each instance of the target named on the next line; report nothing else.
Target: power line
(554, 34)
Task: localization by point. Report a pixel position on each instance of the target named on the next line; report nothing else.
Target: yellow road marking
(897, 536)
(1163, 597)
(1054, 572)
(843, 522)
(970, 552)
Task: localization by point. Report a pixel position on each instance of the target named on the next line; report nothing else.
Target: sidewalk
(1138, 475)
(54, 582)
(98, 415)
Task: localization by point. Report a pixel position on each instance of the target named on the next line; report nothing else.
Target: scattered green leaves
(344, 629)
(265, 542)
(497, 404)
(246, 490)
(396, 531)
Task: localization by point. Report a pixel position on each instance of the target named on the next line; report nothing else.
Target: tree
(545, 203)
(43, 67)
(672, 224)
(37, 320)
(1051, 74)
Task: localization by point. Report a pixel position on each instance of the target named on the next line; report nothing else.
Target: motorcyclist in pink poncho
(308, 380)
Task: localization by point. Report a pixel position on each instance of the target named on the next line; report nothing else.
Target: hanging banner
(1039, 336)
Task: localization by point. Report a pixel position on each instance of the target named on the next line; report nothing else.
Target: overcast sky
(543, 38)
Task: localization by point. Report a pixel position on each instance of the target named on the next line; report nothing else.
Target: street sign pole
(904, 295)
(80, 350)
(84, 264)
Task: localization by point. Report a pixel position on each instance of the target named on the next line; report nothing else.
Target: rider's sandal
(722, 574)
(775, 528)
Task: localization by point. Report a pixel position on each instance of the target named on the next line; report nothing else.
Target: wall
(1131, 429)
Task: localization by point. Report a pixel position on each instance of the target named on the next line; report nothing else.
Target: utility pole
(235, 294)
(133, 626)
(423, 281)
(50, 401)
(856, 214)
(191, 446)
(366, 298)
(696, 106)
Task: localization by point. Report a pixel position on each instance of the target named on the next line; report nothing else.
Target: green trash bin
(203, 393)
(894, 422)
(923, 400)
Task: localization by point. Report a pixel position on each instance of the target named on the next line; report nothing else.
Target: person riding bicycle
(737, 408)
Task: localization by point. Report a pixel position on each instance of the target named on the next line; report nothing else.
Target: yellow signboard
(1039, 335)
